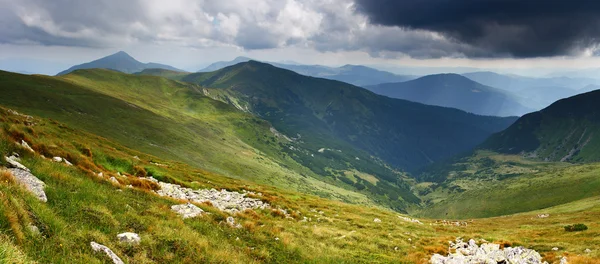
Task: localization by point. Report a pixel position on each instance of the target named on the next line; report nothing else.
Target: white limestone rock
(187, 210)
(101, 248)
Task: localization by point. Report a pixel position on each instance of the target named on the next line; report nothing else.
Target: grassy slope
(207, 133)
(329, 111)
(83, 207)
(490, 184)
(566, 130)
(181, 101)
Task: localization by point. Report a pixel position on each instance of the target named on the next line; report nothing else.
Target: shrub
(576, 227)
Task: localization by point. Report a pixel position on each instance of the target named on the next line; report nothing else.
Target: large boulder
(31, 183)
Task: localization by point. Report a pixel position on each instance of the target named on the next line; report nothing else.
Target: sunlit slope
(404, 134)
(330, 160)
(83, 207)
(210, 134)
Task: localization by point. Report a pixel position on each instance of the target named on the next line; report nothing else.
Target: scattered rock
(100, 174)
(26, 146)
(231, 222)
(410, 220)
(136, 157)
(187, 210)
(554, 249)
(543, 216)
(486, 253)
(129, 238)
(377, 220)
(13, 162)
(587, 250)
(67, 162)
(230, 202)
(35, 231)
(31, 183)
(563, 260)
(57, 159)
(101, 248)
(113, 180)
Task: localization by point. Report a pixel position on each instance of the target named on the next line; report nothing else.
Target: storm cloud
(380, 28)
(501, 28)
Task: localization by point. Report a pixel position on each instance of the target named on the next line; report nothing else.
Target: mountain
(177, 120)
(327, 113)
(453, 90)
(119, 61)
(515, 83)
(567, 130)
(222, 64)
(353, 74)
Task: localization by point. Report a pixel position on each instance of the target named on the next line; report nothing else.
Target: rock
(101, 248)
(100, 174)
(410, 220)
(486, 253)
(31, 183)
(13, 162)
(113, 180)
(554, 249)
(187, 210)
(26, 146)
(129, 238)
(35, 231)
(587, 250)
(377, 220)
(543, 216)
(57, 159)
(229, 202)
(67, 162)
(231, 222)
(563, 260)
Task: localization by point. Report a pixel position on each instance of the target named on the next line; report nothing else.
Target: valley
(343, 174)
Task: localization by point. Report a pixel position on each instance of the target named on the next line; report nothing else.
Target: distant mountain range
(568, 130)
(353, 74)
(456, 91)
(119, 61)
(536, 93)
(329, 113)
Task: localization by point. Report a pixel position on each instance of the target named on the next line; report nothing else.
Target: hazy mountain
(406, 134)
(353, 74)
(453, 90)
(119, 61)
(515, 83)
(567, 130)
(222, 64)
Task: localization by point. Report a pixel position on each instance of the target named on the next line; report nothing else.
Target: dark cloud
(519, 28)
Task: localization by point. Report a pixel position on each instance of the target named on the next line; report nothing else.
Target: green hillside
(565, 131)
(167, 119)
(83, 207)
(333, 115)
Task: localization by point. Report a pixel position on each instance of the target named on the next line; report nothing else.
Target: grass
(489, 184)
(83, 207)
(170, 120)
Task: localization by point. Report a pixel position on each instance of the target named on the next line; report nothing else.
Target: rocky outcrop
(101, 248)
(230, 202)
(486, 253)
(187, 210)
(31, 183)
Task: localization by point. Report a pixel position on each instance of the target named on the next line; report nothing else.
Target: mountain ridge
(120, 61)
(456, 91)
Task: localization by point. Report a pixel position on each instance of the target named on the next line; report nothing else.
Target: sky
(516, 36)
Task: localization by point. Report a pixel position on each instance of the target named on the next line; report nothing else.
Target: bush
(576, 227)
